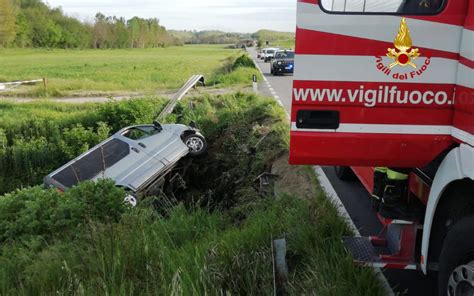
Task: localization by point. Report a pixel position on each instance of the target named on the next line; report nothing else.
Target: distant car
(137, 158)
(268, 53)
(283, 62)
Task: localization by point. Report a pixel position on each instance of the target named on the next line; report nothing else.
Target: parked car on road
(283, 62)
(137, 158)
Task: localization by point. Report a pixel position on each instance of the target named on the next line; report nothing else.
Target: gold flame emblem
(403, 54)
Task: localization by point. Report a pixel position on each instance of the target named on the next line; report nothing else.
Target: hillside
(275, 38)
(208, 37)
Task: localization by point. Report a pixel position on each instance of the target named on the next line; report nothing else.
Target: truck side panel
(351, 108)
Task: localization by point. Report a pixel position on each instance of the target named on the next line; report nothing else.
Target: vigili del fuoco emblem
(403, 54)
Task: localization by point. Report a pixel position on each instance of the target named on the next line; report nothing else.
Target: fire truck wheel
(344, 173)
(456, 268)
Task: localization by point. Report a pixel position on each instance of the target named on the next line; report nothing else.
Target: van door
(160, 143)
(374, 81)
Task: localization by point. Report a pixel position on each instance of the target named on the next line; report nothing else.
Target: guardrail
(195, 79)
(13, 84)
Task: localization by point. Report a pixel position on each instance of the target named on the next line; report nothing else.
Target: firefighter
(390, 193)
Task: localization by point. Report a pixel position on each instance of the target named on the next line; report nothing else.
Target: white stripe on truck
(467, 47)
(363, 68)
(400, 129)
(465, 76)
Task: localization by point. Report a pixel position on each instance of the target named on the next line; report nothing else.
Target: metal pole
(332, 7)
(365, 3)
(345, 5)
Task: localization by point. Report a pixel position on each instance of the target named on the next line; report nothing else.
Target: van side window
(93, 163)
(141, 132)
(417, 7)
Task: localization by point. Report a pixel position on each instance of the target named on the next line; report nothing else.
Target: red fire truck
(391, 84)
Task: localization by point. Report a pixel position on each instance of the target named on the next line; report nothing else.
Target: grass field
(119, 71)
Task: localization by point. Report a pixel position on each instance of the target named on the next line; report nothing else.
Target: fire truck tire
(458, 251)
(344, 173)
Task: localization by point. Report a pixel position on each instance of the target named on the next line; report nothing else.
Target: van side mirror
(158, 125)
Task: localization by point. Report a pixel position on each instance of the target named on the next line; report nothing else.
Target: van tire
(196, 143)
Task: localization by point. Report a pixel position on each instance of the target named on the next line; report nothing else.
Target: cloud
(228, 15)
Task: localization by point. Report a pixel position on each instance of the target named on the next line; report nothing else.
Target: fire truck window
(386, 6)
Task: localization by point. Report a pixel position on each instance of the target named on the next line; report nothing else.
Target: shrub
(243, 61)
(36, 213)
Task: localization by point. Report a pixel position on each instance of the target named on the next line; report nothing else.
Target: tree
(7, 22)
(23, 31)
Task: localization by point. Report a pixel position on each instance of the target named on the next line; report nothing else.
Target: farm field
(90, 72)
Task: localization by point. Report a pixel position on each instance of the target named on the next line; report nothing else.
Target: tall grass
(192, 251)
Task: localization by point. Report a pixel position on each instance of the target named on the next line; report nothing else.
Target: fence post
(254, 83)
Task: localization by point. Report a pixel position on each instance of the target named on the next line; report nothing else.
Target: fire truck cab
(391, 84)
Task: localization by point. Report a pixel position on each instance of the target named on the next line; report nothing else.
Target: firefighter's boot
(380, 182)
(394, 202)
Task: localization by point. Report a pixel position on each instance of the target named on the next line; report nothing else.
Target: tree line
(32, 23)
(208, 37)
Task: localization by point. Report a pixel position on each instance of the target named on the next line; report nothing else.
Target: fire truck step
(364, 252)
(361, 249)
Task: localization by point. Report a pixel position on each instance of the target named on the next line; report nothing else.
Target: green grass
(213, 239)
(99, 72)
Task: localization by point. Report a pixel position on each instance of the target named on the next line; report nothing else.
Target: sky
(225, 15)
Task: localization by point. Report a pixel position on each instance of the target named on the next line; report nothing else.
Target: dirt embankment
(293, 180)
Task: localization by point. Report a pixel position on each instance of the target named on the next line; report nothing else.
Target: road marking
(334, 197)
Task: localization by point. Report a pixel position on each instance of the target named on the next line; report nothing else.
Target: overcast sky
(226, 15)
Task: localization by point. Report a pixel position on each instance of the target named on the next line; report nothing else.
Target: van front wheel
(196, 143)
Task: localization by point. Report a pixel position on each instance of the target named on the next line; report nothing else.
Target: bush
(243, 61)
(36, 213)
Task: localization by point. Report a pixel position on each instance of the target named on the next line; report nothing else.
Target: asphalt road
(353, 195)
